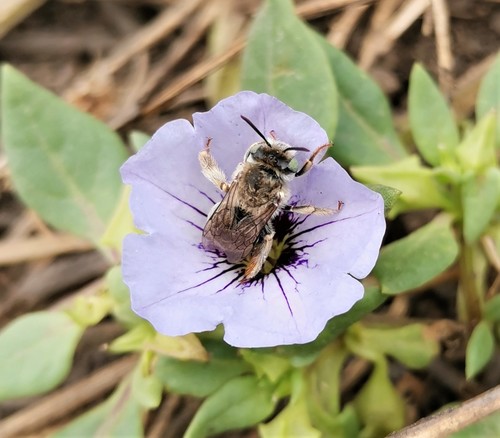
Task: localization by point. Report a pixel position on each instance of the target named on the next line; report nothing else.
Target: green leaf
(477, 150)
(480, 349)
(138, 139)
(120, 224)
(432, 124)
(64, 163)
(292, 422)
(379, 405)
(372, 299)
(480, 194)
(390, 195)
(133, 339)
(344, 425)
(419, 185)
(488, 98)
(283, 58)
(492, 309)
(225, 81)
(408, 345)
(323, 387)
(417, 258)
(147, 388)
(90, 310)
(270, 365)
(121, 298)
(365, 132)
(241, 402)
(119, 416)
(487, 427)
(36, 352)
(201, 378)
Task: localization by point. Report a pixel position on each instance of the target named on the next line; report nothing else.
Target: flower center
(283, 252)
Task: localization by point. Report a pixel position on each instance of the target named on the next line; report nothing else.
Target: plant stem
(471, 297)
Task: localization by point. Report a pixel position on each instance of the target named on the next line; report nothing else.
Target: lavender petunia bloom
(181, 288)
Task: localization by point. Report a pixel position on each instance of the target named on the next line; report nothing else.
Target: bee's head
(274, 154)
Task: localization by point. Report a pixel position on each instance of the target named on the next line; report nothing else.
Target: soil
(57, 45)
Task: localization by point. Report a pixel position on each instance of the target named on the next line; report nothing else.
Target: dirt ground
(138, 63)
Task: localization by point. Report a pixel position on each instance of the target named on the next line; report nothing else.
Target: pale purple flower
(180, 287)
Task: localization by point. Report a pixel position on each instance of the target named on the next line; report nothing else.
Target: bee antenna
(292, 148)
(255, 129)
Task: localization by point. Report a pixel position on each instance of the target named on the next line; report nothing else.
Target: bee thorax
(260, 185)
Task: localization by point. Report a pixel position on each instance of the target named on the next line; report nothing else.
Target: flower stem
(471, 297)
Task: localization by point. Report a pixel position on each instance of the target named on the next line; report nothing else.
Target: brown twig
(354, 371)
(454, 419)
(318, 8)
(42, 281)
(97, 78)
(383, 40)
(191, 77)
(342, 27)
(446, 62)
(66, 400)
(490, 250)
(163, 417)
(192, 33)
(13, 12)
(39, 247)
(467, 85)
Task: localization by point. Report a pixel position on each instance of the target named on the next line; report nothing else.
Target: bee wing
(232, 230)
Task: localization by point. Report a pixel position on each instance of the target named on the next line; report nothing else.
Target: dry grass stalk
(446, 62)
(13, 12)
(319, 8)
(452, 420)
(399, 22)
(40, 247)
(97, 80)
(467, 86)
(191, 77)
(341, 28)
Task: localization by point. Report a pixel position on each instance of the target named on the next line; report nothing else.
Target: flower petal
(291, 308)
(161, 273)
(168, 189)
(350, 239)
(287, 308)
(231, 136)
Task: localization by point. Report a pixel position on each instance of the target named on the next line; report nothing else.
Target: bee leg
(311, 209)
(309, 163)
(258, 257)
(211, 169)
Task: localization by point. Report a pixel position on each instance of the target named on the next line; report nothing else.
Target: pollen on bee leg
(211, 169)
(258, 258)
(311, 209)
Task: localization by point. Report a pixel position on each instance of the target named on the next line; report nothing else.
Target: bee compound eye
(293, 165)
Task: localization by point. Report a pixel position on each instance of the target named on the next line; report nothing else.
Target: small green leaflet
(432, 123)
(365, 132)
(488, 98)
(36, 353)
(64, 162)
(480, 349)
(241, 402)
(417, 258)
(283, 58)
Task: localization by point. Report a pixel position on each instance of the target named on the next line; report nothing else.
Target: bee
(240, 226)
